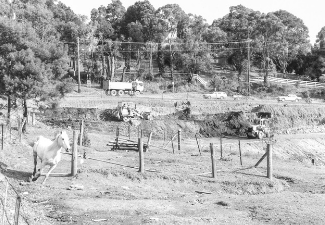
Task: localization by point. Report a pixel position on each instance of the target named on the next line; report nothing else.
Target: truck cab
(137, 86)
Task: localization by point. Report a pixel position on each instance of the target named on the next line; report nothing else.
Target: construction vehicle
(183, 109)
(127, 111)
(259, 127)
(120, 88)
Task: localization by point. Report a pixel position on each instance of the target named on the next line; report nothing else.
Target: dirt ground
(176, 188)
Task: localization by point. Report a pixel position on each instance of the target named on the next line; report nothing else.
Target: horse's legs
(48, 173)
(39, 172)
(35, 162)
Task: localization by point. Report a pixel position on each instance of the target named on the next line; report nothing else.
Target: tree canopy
(34, 35)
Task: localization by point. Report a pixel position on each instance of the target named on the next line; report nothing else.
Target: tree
(33, 62)
(268, 35)
(321, 38)
(293, 40)
(139, 14)
(239, 24)
(171, 17)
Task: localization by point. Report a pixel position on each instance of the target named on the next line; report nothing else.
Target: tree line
(38, 42)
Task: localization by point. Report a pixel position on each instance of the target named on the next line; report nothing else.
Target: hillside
(175, 188)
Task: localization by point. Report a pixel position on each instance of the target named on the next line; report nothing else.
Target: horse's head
(63, 140)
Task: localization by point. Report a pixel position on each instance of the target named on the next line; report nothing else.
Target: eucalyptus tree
(240, 25)
(321, 38)
(269, 29)
(139, 24)
(293, 40)
(171, 19)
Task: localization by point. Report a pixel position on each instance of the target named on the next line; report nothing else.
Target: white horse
(49, 153)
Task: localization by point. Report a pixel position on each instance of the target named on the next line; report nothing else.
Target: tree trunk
(104, 70)
(150, 62)
(9, 110)
(160, 59)
(265, 65)
(238, 76)
(25, 114)
(171, 61)
(112, 67)
(138, 61)
(122, 80)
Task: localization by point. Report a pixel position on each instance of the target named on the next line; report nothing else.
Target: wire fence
(13, 208)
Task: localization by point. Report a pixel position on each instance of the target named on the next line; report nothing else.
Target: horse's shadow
(14, 174)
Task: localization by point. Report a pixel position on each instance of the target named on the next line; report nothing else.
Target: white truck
(121, 88)
(290, 97)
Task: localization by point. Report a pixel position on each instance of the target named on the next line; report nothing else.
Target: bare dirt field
(176, 188)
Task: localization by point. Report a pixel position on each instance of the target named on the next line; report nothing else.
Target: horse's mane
(56, 135)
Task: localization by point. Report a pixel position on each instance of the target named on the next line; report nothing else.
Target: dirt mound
(254, 186)
(231, 123)
(210, 120)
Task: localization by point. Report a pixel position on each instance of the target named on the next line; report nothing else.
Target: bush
(153, 87)
(273, 89)
(65, 87)
(188, 87)
(231, 123)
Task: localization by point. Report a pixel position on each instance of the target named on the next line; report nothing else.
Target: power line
(209, 50)
(167, 43)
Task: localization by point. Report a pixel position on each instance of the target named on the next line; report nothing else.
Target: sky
(310, 11)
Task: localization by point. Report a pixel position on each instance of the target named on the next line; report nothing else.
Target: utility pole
(150, 60)
(78, 63)
(171, 59)
(248, 67)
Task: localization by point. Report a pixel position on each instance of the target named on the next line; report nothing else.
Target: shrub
(274, 89)
(153, 87)
(65, 87)
(188, 87)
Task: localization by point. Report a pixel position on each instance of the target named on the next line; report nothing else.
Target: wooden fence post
(198, 145)
(164, 135)
(179, 139)
(269, 162)
(19, 128)
(2, 136)
(81, 132)
(74, 156)
(9, 130)
(17, 210)
(212, 160)
(141, 157)
(149, 141)
(27, 118)
(117, 137)
(172, 145)
(221, 153)
(241, 162)
(33, 119)
(5, 203)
